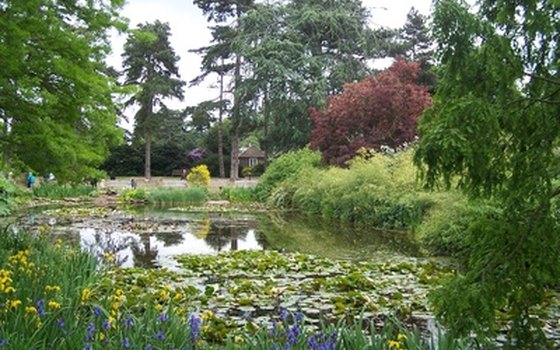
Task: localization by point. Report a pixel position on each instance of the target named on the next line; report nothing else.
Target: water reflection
(152, 240)
(153, 237)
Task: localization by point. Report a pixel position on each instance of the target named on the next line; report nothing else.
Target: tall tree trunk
(221, 128)
(265, 127)
(235, 121)
(234, 168)
(148, 155)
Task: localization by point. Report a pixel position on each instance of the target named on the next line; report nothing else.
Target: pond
(152, 237)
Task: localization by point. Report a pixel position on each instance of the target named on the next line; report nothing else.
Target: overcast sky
(189, 31)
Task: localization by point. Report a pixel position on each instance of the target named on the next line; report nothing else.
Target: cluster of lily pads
(245, 288)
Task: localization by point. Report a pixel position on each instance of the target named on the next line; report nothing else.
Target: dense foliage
(56, 107)
(377, 112)
(494, 132)
(282, 168)
(378, 191)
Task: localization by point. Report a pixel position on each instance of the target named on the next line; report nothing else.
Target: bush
(194, 195)
(58, 191)
(133, 195)
(8, 190)
(379, 191)
(238, 194)
(286, 166)
(446, 230)
(199, 176)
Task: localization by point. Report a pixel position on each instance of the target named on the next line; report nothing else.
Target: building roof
(251, 152)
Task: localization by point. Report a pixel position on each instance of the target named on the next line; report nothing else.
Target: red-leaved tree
(377, 111)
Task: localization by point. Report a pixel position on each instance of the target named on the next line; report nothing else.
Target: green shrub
(194, 195)
(59, 191)
(379, 191)
(133, 195)
(446, 228)
(8, 192)
(238, 194)
(284, 167)
(199, 176)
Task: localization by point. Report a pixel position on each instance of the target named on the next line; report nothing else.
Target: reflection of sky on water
(154, 250)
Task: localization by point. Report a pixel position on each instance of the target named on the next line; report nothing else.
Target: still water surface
(151, 237)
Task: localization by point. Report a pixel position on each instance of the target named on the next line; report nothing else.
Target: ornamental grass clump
(194, 195)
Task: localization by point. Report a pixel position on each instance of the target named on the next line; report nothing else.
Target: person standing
(30, 180)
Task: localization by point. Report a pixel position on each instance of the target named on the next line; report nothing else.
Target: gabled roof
(251, 152)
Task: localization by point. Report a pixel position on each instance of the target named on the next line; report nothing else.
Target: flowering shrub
(199, 176)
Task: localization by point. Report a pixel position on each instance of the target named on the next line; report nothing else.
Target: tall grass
(239, 194)
(178, 196)
(60, 191)
(380, 191)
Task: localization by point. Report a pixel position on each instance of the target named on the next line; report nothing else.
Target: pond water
(152, 237)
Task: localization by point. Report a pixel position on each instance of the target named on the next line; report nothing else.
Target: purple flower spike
(126, 343)
(163, 317)
(160, 336)
(40, 306)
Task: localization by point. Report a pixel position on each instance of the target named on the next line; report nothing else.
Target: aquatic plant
(194, 195)
(61, 191)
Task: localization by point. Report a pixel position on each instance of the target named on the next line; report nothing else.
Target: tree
(297, 53)
(417, 46)
(150, 64)
(494, 132)
(375, 112)
(55, 89)
(220, 11)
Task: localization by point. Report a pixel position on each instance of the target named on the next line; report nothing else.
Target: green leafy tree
(494, 131)
(55, 89)
(150, 64)
(297, 53)
(417, 46)
(220, 11)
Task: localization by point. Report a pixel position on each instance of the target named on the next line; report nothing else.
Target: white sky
(189, 31)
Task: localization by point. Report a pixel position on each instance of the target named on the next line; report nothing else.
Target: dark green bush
(284, 167)
(8, 190)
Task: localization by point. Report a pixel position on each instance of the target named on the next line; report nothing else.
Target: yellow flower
(393, 344)
(30, 310)
(14, 303)
(54, 305)
(109, 257)
(238, 339)
(52, 289)
(205, 329)
(206, 315)
(9, 289)
(164, 294)
(86, 294)
(401, 337)
(178, 296)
